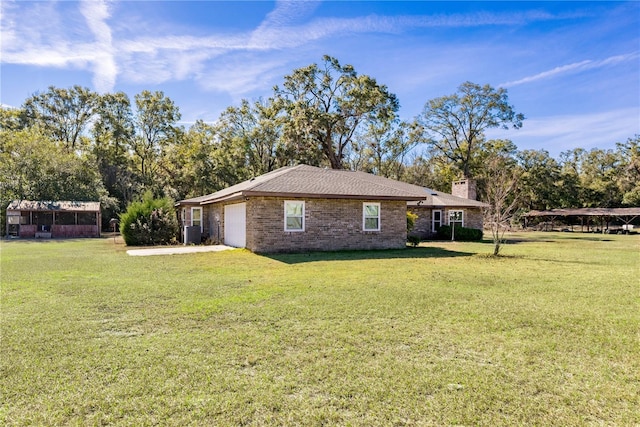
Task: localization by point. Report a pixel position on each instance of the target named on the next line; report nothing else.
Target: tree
(383, 149)
(629, 171)
(540, 179)
(33, 167)
(502, 196)
(327, 106)
(113, 132)
(455, 124)
(193, 165)
(599, 179)
(155, 119)
(11, 118)
(62, 113)
(255, 129)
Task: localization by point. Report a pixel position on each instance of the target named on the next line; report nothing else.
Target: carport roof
(587, 212)
(313, 182)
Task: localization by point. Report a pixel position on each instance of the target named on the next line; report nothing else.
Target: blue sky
(572, 68)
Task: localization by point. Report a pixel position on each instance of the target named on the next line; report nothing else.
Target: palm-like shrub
(149, 222)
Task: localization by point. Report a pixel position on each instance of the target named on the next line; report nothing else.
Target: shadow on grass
(408, 253)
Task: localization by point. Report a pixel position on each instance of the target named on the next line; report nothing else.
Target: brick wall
(329, 225)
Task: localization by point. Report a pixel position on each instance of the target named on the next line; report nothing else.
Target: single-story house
(305, 208)
(51, 219)
(438, 208)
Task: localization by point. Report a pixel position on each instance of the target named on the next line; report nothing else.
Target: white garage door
(235, 225)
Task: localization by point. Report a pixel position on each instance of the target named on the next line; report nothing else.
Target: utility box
(192, 235)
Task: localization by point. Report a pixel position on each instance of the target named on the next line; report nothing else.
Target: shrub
(463, 234)
(411, 221)
(413, 240)
(149, 222)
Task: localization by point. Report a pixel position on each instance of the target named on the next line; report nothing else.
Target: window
(293, 215)
(196, 217)
(456, 218)
(436, 220)
(371, 216)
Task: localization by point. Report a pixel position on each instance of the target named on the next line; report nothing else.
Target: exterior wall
(186, 220)
(330, 224)
(422, 226)
(472, 219)
(465, 188)
(28, 231)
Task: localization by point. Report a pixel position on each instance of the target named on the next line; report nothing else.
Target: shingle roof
(440, 199)
(313, 182)
(47, 205)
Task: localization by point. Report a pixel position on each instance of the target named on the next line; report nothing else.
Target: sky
(571, 67)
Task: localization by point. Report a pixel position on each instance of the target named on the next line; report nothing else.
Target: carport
(594, 219)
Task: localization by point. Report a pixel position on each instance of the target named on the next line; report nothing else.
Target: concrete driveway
(176, 250)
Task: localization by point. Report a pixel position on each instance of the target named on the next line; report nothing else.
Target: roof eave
(330, 196)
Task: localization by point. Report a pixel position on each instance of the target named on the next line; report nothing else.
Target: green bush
(411, 221)
(149, 222)
(413, 240)
(462, 234)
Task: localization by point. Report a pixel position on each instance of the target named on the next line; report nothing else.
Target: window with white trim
(371, 216)
(436, 220)
(456, 218)
(294, 215)
(196, 217)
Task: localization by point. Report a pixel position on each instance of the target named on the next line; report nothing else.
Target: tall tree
(455, 124)
(156, 124)
(113, 132)
(255, 129)
(193, 166)
(34, 167)
(540, 180)
(62, 113)
(384, 148)
(327, 105)
(629, 174)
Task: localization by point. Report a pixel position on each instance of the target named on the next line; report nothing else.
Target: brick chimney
(465, 188)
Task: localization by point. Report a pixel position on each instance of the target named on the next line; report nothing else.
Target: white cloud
(174, 57)
(104, 63)
(576, 67)
(560, 133)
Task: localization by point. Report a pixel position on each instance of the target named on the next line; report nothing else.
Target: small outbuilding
(53, 219)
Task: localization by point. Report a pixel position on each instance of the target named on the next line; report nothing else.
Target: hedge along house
(47, 219)
(438, 209)
(305, 208)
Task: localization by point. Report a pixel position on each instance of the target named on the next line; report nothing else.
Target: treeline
(75, 144)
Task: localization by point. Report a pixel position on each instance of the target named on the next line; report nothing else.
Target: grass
(437, 335)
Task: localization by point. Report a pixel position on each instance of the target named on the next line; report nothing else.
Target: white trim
(193, 209)
(297, 202)
(364, 216)
(461, 215)
(434, 229)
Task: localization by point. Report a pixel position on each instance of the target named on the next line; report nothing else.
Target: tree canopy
(455, 124)
(79, 145)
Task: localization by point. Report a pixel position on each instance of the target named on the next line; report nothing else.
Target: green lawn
(442, 334)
